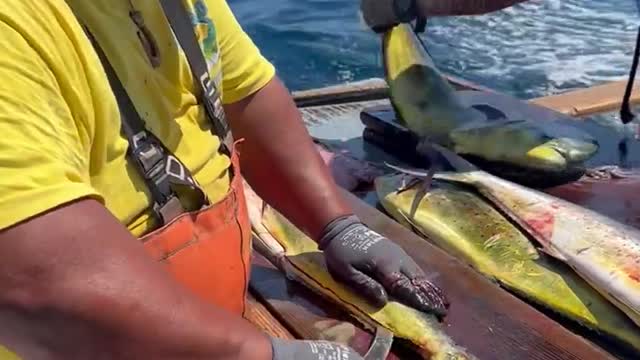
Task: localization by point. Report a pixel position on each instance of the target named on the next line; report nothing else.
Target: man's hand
(373, 264)
(381, 15)
(311, 350)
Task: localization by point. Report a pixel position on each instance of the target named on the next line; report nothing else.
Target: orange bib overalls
(207, 249)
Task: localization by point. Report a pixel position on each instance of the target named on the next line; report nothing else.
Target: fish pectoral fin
(405, 187)
(420, 194)
(420, 177)
(480, 125)
(415, 229)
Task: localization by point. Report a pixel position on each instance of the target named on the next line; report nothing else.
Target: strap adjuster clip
(170, 210)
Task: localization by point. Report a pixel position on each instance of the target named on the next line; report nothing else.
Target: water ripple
(532, 49)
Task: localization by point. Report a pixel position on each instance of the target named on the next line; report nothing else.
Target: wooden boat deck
(487, 320)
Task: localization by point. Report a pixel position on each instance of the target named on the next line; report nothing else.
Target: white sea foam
(539, 47)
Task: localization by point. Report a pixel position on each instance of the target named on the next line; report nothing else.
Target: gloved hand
(380, 15)
(311, 350)
(377, 267)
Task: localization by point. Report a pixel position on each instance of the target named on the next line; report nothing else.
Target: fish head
(565, 150)
(525, 144)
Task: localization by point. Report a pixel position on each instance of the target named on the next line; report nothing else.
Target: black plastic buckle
(169, 211)
(151, 157)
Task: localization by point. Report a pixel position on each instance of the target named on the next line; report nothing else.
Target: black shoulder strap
(180, 21)
(163, 173)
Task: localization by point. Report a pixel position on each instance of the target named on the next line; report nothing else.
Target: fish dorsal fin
(490, 112)
(485, 124)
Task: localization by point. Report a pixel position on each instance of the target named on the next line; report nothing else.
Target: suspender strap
(180, 20)
(163, 173)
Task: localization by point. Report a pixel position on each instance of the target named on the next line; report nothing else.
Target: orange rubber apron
(209, 250)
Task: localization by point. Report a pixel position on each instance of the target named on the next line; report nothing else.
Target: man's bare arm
(462, 7)
(75, 284)
(280, 161)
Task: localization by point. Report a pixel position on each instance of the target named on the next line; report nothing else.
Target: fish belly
(601, 258)
(461, 222)
(570, 233)
(617, 286)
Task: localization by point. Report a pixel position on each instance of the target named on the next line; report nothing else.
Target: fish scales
(604, 252)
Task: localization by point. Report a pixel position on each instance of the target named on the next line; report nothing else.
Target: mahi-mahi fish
(299, 258)
(602, 251)
(427, 105)
(463, 223)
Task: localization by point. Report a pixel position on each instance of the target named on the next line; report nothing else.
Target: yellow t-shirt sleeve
(44, 152)
(244, 69)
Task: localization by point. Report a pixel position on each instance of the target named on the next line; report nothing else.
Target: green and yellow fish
(298, 256)
(429, 106)
(457, 219)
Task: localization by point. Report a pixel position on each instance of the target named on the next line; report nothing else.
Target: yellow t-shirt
(59, 123)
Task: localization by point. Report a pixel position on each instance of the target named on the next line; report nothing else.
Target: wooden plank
(258, 315)
(593, 100)
(578, 103)
(309, 316)
(488, 321)
(370, 89)
(365, 90)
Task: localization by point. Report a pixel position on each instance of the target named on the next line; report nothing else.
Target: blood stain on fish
(633, 274)
(542, 223)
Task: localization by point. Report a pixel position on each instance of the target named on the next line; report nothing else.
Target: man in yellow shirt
(123, 232)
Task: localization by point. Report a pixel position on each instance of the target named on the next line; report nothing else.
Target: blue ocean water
(532, 49)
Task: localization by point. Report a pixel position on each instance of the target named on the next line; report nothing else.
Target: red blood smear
(634, 274)
(542, 223)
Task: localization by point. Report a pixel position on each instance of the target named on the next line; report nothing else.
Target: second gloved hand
(377, 267)
(380, 15)
(311, 350)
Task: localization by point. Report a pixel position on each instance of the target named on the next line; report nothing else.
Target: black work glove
(381, 15)
(311, 350)
(376, 267)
